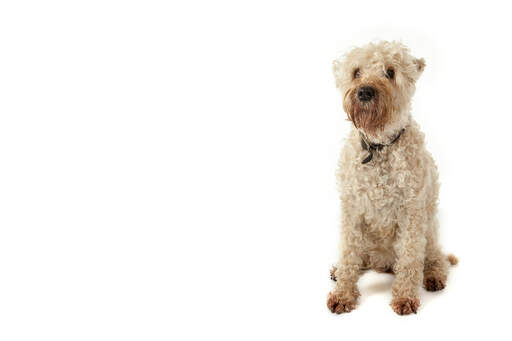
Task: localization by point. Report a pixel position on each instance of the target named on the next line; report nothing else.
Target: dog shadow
(373, 283)
(378, 288)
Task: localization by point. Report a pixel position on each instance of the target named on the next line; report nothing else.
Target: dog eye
(356, 73)
(390, 73)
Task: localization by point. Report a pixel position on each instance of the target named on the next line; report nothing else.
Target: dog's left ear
(420, 65)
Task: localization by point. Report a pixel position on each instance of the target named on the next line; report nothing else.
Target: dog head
(377, 82)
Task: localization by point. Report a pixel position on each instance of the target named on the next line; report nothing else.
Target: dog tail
(452, 259)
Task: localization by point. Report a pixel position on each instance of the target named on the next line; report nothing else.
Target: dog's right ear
(337, 70)
(336, 65)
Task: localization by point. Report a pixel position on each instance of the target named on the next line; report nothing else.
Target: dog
(388, 181)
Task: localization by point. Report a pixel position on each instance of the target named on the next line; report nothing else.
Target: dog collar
(370, 147)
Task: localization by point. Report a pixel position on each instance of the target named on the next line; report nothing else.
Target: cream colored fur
(389, 205)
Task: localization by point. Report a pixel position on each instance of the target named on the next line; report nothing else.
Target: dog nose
(365, 93)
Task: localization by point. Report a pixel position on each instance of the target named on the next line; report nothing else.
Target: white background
(167, 168)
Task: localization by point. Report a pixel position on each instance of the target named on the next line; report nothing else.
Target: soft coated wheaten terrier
(388, 181)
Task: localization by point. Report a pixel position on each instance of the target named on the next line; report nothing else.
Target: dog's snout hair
(368, 105)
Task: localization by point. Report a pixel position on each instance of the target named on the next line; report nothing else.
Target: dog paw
(404, 305)
(433, 284)
(333, 273)
(339, 304)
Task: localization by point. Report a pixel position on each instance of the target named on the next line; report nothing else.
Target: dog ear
(336, 69)
(420, 65)
(336, 66)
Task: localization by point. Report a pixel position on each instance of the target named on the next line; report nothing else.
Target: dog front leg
(410, 252)
(344, 296)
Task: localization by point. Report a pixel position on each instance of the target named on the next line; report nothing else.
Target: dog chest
(375, 191)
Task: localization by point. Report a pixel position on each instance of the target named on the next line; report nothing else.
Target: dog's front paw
(433, 283)
(405, 305)
(338, 303)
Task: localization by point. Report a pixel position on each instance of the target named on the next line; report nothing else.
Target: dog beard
(369, 116)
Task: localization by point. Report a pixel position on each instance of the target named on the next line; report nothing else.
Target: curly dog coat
(388, 181)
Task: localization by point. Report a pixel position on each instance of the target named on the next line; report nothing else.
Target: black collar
(370, 147)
